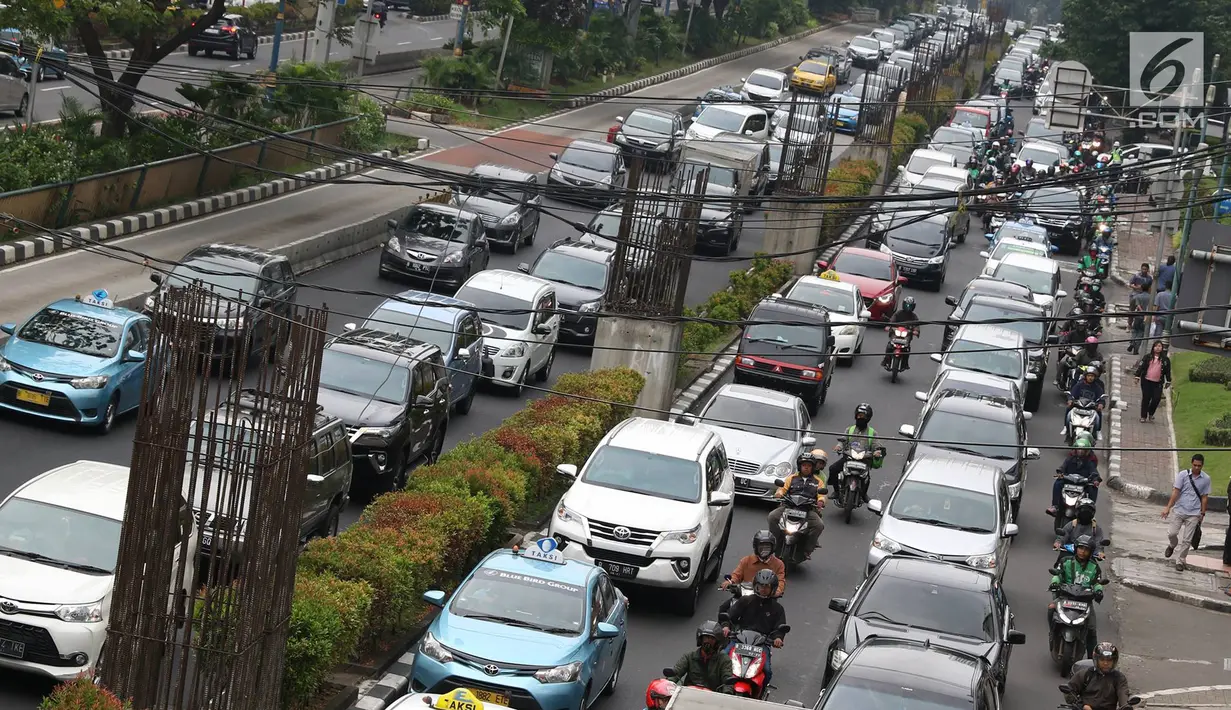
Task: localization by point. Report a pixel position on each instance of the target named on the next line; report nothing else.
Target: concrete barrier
(865, 14)
(391, 62)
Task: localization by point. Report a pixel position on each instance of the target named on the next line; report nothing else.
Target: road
(400, 34)
(658, 637)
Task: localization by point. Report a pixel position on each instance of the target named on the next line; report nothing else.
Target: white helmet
(1115, 144)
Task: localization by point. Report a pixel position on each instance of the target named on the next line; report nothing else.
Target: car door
(1005, 517)
(424, 385)
(534, 202)
(132, 374)
(460, 371)
(755, 126)
(11, 85)
(713, 484)
(545, 315)
(322, 463)
(610, 608)
(480, 251)
(598, 655)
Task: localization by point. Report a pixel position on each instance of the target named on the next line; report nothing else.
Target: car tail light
(232, 29)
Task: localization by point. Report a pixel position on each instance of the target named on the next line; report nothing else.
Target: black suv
(977, 286)
(232, 34)
(790, 358)
(506, 199)
(580, 271)
(903, 673)
(921, 248)
(436, 245)
(1034, 329)
(971, 427)
(260, 279)
(393, 394)
(1059, 211)
(931, 601)
(651, 133)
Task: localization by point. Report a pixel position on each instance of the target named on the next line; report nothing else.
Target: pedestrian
(1166, 273)
(1138, 303)
(1189, 497)
(1162, 304)
(1226, 544)
(1154, 373)
(1142, 279)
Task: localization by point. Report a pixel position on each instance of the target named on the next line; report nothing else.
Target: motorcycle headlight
(567, 515)
(4, 365)
(848, 330)
(837, 659)
(885, 297)
(454, 257)
(394, 245)
(885, 544)
(590, 307)
(684, 537)
(514, 350)
(982, 561)
(94, 382)
(81, 613)
(775, 470)
(559, 674)
(431, 648)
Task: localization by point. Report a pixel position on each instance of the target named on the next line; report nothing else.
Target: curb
(263, 39)
(1180, 691)
(26, 249)
(439, 18)
(1161, 592)
(392, 685)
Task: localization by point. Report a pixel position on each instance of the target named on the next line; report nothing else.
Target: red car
(874, 273)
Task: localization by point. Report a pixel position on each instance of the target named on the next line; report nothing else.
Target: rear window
(861, 265)
(977, 119)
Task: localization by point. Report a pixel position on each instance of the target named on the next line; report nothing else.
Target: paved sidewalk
(1208, 697)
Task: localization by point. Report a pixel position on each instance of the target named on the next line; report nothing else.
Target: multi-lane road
(657, 637)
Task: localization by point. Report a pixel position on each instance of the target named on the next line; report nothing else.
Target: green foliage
(327, 617)
(849, 178)
(735, 303)
(1211, 369)
(80, 693)
(1218, 432)
(366, 133)
(909, 129)
(462, 76)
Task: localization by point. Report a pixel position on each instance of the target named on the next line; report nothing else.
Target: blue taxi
(528, 630)
(78, 360)
(844, 113)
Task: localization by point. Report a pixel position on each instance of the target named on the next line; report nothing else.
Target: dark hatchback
(580, 271)
(789, 358)
(977, 286)
(1029, 319)
(1059, 211)
(930, 601)
(905, 674)
(506, 199)
(651, 133)
(255, 292)
(953, 420)
(232, 34)
(921, 249)
(436, 245)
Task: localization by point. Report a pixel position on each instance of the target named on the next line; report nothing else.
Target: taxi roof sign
(99, 298)
(831, 275)
(458, 699)
(545, 549)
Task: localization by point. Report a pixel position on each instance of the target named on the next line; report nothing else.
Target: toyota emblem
(37, 377)
(491, 669)
(622, 533)
(8, 607)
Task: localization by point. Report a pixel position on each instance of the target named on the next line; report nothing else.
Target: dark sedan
(588, 171)
(651, 133)
(579, 270)
(435, 245)
(232, 34)
(1059, 211)
(507, 201)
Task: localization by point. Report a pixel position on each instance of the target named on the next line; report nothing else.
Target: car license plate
(414, 266)
(488, 696)
(615, 569)
(42, 400)
(906, 269)
(207, 541)
(741, 482)
(12, 649)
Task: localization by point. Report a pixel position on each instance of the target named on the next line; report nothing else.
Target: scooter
(1081, 418)
(1068, 365)
(793, 526)
(1072, 702)
(749, 653)
(899, 338)
(1070, 622)
(1072, 490)
(854, 476)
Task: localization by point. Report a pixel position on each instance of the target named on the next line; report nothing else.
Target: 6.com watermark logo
(1161, 66)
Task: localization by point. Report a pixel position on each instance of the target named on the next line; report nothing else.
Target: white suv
(517, 344)
(652, 506)
(61, 537)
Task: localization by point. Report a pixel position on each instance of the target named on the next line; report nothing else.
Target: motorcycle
(1070, 623)
(1080, 419)
(1068, 365)
(1073, 488)
(793, 527)
(1072, 702)
(899, 338)
(749, 652)
(854, 476)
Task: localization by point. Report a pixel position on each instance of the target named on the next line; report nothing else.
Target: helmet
(863, 411)
(1083, 443)
(1015, 168)
(908, 303)
(1091, 340)
(1029, 162)
(1107, 650)
(763, 540)
(1085, 510)
(658, 693)
(1084, 541)
(765, 578)
(821, 456)
(710, 630)
(996, 144)
(1115, 144)
(803, 458)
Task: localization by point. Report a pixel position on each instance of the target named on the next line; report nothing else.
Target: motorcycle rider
(759, 612)
(380, 12)
(708, 664)
(1079, 569)
(1089, 354)
(1082, 462)
(1101, 686)
(862, 428)
(658, 694)
(762, 557)
(905, 314)
(1084, 524)
(1028, 170)
(1089, 386)
(807, 481)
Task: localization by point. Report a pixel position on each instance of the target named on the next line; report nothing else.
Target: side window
(325, 461)
(314, 453)
(608, 594)
(438, 368)
(546, 308)
(7, 66)
(341, 451)
(425, 379)
(597, 613)
(139, 336)
(463, 337)
(714, 466)
(805, 420)
(288, 276)
(416, 386)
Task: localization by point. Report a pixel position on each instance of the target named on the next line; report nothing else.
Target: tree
(153, 28)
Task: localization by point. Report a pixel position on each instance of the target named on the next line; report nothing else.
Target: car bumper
(503, 235)
(921, 273)
(373, 457)
(577, 326)
(865, 62)
(845, 125)
(49, 645)
(63, 402)
(816, 87)
(807, 389)
(712, 236)
(647, 152)
(595, 193)
(523, 691)
(507, 371)
(428, 274)
(674, 572)
(845, 345)
(226, 43)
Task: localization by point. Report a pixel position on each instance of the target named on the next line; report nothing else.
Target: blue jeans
(769, 671)
(1059, 483)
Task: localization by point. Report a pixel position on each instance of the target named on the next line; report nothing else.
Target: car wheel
(545, 371)
(521, 381)
(530, 237)
(686, 603)
(192, 51)
(463, 407)
(332, 521)
(614, 681)
(400, 472)
(41, 73)
(109, 414)
(1034, 394)
(251, 54)
(233, 53)
(433, 453)
(21, 107)
(209, 52)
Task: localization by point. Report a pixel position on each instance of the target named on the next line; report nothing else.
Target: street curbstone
(1175, 595)
(392, 685)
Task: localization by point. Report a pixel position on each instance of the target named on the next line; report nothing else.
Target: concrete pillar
(656, 357)
(793, 227)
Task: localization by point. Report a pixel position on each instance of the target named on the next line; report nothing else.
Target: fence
(153, 184)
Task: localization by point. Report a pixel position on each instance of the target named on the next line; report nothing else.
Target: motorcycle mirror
(1134, 700)
(668, 672)
(784, 629)
(724, 617)
(824, 490)
(727, 577)
(1053, 339)
(779, 482)
(1068, 690)
(1105, 543)
(1054, 570)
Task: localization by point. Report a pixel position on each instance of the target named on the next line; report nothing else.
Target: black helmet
(1085, 510)
(711, 630)
(1084, 541)
(908, 303)
(803, 458)
(765, 578)
(863, 411)
(763, 540)
(1107, 650)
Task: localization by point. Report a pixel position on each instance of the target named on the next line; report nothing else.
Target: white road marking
(55, 88)
(233, 66)
(435, 39)
(403, 44)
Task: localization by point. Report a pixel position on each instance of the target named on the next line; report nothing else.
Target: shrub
(1218, 432)
(735, 303)
(1211, 369)
(327, 617)
(80, 693)
(915, 121)
(368, 131)
(849, 178)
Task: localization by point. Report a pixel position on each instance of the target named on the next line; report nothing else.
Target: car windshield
(981, 357)
(775, 156)
(947, 135)
(74, 332)
(937, 190)
(65, 537)
(865, 43)
(489, 303)
(436, 225)
(568, 269)
(1004, 247)
(923, 232)
(1010, 231)
(605, 223)
(884, 35)
(865, 693)
(920, 162)
(645, 473)
(389, 320)
(983, 437)
(1032, 331)
(833, 298)
(721, 118)
(1010, 74)
(957, 610)
(767, 81)
(591, 159)
(944, 506)
(1054, 203)
(1040, 155)
(773, 420)
(222, 279)
(846, 101)
(1039, 129)
(364, 377)
(800, 337)
(975, 118)
(860, 265)
(1034, 279)
(814, 68)
(523, 601)
(651, 122)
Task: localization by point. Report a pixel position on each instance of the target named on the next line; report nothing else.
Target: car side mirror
(985, 255)
(134, 356)
(392, 224)
(901, 168)
(435, 597)
(921, 395)
(554, 156)
(1053, 339)
(1061, 293)
(951, 301)
(8, 328)
(523, 267)
(808, 441)
(876, 506)
(1032, 454)
(542, 329)
(748, 132)
(865, 314)
(349, 326)
(687, 419)
(424, 400)
(567, 470)
(907, 430)
(156, 278)
(606, 631)
(313, 478)
(743, 79)
(901, 279)
(619, 119)
(1015, 637)
(718, 499)
(936, 357)
(1031, 376)
(1010, 530)
(463, 353)
(839, 604)
(1027, 416)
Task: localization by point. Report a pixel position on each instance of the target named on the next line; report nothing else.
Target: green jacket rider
(1083, 570)
(706, 665)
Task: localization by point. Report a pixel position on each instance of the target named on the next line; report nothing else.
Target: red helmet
(1091, 340)
(658, 693)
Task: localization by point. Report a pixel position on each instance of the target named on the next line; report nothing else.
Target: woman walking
(1154, 373)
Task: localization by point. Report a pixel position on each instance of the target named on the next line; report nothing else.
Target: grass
(1195, 405)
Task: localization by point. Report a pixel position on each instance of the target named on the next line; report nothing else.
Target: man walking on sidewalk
(1162, 304)
(1138, 304)
(1189, 497)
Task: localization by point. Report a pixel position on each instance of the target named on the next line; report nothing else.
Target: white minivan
(521, 324)
(919, 163)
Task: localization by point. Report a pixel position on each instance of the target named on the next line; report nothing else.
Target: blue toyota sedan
(844, 113)
(528, 630)
(78, 360)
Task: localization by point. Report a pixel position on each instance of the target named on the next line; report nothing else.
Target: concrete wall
(865, 14)
(657, 361)
(390, 62)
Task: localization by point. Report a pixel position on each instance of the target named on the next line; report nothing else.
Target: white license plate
(1075, 606)
(907, 269)
(210, 32)
(207, 541)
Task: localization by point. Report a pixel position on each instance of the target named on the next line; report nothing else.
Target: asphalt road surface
(657, 637)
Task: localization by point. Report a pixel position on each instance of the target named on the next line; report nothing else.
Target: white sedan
(845, 309)
(1011, 245)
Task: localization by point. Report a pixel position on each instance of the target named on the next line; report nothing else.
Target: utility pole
(279, 21)
(1209, 98)
(1192, 194)
(692, 5)
(1226, 123)
(33, 87)
(367, 37)
(508, 32)
(461, 29)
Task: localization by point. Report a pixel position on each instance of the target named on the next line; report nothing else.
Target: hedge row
(1215, 369)
(909, 130)
(735, 303)
(1218, 432)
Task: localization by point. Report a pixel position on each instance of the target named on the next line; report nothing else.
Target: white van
(517, 344)
(921, 161)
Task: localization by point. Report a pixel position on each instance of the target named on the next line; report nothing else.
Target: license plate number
(1076, 606)
(615, 569)
(747, 649)
(211, 32)
(742, 482)
(796, 514)
(207, 541)
(12, 649)
(907, 269)
(488, 696)
(42, 400)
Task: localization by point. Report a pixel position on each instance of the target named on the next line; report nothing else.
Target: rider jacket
(713, 671)
(1087, 390)
(1074, 571)
(749, 565)
(1101, 691)
(1074, 530)
(756, 613)
(904, 316)
(1085, 358)
(1084, 466)
(799, 484)
(870, 443)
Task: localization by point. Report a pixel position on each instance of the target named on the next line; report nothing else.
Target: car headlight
(4, 365)
(885, 248)
(93, 382)
(381, 432)
(663, 147)
(394, 245)
(559, 674)
(236, 323)
(848, 330)
(885, 297)
(776, 470)
(885, 544)
(149, 303)
(431, 648)
(81, 613)
(937, 259)
(684, 537)
(619, 138)
(515, 350)
(837, 659)
(607, 180)
(510, 218)
(982, 561)
(590, 307)
(567, 515)
(1015, 490)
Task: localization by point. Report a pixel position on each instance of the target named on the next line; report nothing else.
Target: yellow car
(815, 75)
